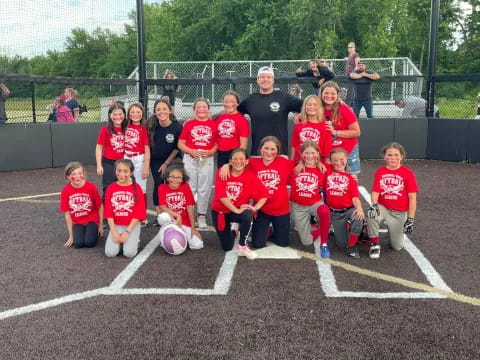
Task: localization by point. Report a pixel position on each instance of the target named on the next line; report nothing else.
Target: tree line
(194, 30)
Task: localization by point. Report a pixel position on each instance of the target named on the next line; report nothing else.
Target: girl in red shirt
(82, 206)
(306, 200)
(311, 127)
(343, 199)
(176, 199)
(111, 144)
(124, 209)
(342, 124)
(232, 203)
(137, 147)
(232, 127)
(394, 200)
(198, 141)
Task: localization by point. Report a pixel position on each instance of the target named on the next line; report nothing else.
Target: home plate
(272, 251)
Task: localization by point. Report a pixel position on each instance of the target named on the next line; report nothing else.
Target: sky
(31, 27)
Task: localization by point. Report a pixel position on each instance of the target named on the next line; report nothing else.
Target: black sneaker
(155, 223)
(353, 252)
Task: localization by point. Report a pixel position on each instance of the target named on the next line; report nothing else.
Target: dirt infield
(59, 303)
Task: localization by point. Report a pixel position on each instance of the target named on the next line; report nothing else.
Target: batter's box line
(221, 286)
(329, 285)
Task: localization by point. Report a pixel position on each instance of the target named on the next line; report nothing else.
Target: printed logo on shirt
(117, 141)
(234, 189)
(337, 184)
(275, 106)
(307, 184)
(132, 138)
(201, 135)
(270, 179)
(80, 204)
(122, 202)
(170, 138)
(392, 186)
(176, 201)
(226, 128)
(309, 134)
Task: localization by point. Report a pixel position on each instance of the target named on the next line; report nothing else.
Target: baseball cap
(265, 70)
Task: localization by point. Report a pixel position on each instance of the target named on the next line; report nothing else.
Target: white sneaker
(247, 252)
(374, 251)
(195, 243)
(202, 222)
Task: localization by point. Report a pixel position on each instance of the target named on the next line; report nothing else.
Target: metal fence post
(34, 112)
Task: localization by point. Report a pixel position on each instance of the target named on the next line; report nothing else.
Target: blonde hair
(303, 112)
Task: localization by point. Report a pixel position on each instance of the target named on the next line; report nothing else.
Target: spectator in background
(72, 103)
(318, 69)
(62, 112)
(414, 106)
(4, 93)
(362, 82)
(350, 65)
(170, 91)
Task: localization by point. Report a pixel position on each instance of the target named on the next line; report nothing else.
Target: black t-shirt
(363, 86)
(269, 116)
(165, 140)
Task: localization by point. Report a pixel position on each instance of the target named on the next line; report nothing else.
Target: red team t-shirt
(230, 127)
(239, 189)
(311, 131)
(345, 118)
(394, 187)
(177, 200)
(340, 188)
(199, 134)
(113, 144)
(83, 203)
(121, 206)
(136, 138)
(275, 177)
(305, 187)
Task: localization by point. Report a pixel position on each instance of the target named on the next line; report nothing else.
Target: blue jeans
(367, 104)
(353, 161)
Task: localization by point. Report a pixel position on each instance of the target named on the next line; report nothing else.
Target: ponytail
(134, 183)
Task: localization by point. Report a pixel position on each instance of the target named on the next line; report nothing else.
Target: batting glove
(373, 211)
(408, 226)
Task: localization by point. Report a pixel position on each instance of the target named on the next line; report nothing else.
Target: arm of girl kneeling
(173, 214)
(114, 231)
(358, 212)
(69, 222)
(101, 232)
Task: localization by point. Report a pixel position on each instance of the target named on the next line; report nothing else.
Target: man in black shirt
(362, 81)
(268, 110)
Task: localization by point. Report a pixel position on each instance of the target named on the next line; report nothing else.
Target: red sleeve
(102, 136)
(376, 181)
(412, 186)
(64, 200)
(139, 211)
(244, 129)
(354, 188)
(146, 138)
(295, 136)
(220, 187)
(108, 211)
(348, 115)
(290, 168)
(189, 195)
(162, 192)
(97, 200)
(185, 131)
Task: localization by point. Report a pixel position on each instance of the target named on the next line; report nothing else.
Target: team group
(259, 197)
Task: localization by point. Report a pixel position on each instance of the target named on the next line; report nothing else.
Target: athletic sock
(323, 214)
(352, 240)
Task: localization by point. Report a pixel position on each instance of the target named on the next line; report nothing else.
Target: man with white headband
(268, 110)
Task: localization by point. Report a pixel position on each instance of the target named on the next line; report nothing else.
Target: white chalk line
(221, 287)
(29, 197)
(329, 285)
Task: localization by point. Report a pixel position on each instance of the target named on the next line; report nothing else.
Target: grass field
(20, 110)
